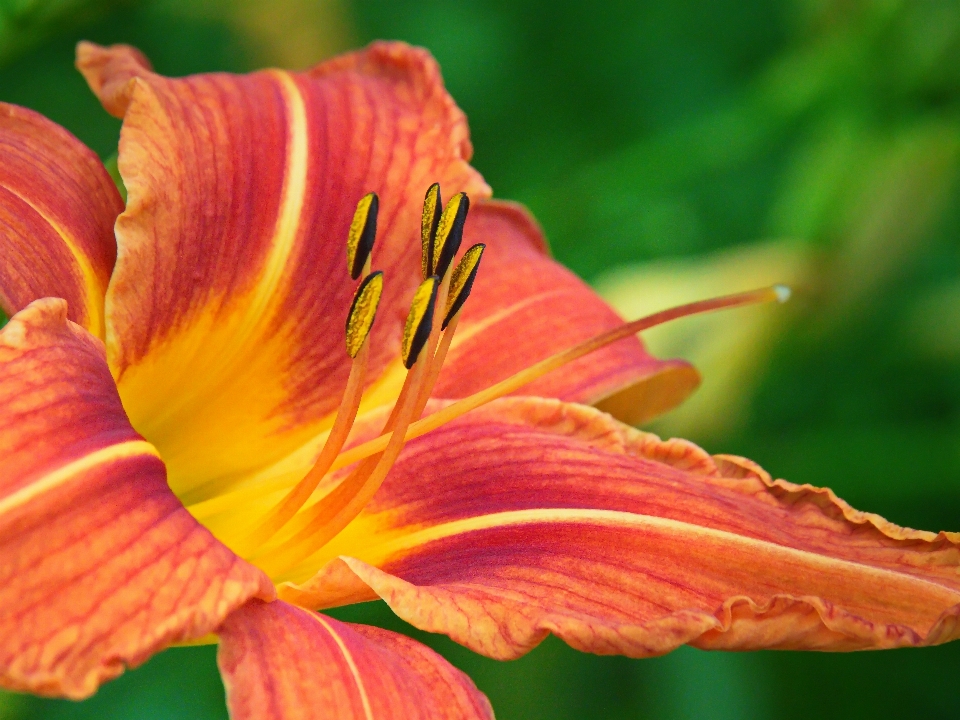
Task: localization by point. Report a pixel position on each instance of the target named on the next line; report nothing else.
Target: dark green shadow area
(45, 79)
(178, 684)
(554, 681)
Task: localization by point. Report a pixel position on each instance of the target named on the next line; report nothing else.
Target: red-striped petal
(57, 209)
(530, 517)
(525, 307)
(227, 306)
(280, 662)
(100, 565)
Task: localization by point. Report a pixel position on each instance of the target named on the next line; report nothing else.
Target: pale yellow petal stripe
(95, 289)
(65, 473)
(380, 552)
(294, 192)
(348, 657)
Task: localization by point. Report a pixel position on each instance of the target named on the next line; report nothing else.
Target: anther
(363, 231)
(450, 233)
(416, 331)
(363, 311)
(429, 222)
(461, 282)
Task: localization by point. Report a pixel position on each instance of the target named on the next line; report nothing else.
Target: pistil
(778, 293)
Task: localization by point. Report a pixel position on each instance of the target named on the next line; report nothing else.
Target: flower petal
(231, 287)
(525, 307)
(280, 662)
(57, 209)
(530, 517)
(100, 565)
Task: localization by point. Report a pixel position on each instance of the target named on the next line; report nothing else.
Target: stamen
(419, 323)
(426, 341)
(429, 222)
(776, 293)
(450, 233)
(363, 231)
(359, 323)
(448, 239)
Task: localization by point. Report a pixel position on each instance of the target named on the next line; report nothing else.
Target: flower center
(291, 531)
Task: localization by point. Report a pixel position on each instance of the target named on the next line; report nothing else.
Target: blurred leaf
(904, 193)
(293, 34)
(931, 327)
(25, 23)
(729, 348)
(12, 705)
(177, 684)
(815, 179)
(111, 165)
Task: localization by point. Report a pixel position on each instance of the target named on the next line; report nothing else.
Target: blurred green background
(671, 150)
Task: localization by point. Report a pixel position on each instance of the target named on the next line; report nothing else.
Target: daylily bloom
(188, 449)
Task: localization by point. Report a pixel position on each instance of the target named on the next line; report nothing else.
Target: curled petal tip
(783, 293)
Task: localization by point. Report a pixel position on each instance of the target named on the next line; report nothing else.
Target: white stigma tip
(783, 293)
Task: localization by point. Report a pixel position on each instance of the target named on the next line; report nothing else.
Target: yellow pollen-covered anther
(416, 331)
(363, 311)
(461, 282)
(363, 231)
(429, 222)
(449, 233)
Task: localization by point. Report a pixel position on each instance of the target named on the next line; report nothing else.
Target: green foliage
(25, 23)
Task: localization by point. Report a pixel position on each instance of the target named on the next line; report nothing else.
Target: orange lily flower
(187, 449)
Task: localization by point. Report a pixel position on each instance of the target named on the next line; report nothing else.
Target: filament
(320, 523)
(342, 425)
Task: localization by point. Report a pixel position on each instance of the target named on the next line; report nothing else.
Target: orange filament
(342, 425)
(346, 415)
(319, 524)
(334, 512)
(347, 499)
(436, 365)
(432, 369)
